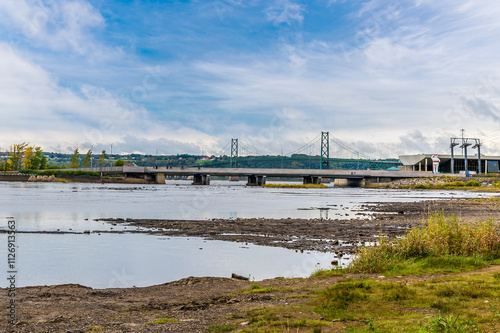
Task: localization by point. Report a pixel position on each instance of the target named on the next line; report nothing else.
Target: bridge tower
(234, 153)
(325, 151)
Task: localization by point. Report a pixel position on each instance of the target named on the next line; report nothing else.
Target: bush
(473, 183)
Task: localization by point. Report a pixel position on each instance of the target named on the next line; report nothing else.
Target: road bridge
(257, 177)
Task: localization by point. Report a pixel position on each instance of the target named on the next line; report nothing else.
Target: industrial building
(423, 162)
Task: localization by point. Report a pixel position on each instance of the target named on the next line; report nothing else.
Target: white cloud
(285, 11)
(57, 25)
(35, 108)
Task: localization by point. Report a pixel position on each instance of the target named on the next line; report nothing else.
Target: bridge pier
(354, 182)
(312, 180)
(201, 179)
(160, 178)
(254, 180)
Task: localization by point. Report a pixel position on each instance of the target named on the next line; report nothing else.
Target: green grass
(256, 288)
(444, 243)
(221, 328)
(163, 321)
(295, 185)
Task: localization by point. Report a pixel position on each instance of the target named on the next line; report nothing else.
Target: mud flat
(325, 235)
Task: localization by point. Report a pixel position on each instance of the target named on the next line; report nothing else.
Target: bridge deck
(189, 171)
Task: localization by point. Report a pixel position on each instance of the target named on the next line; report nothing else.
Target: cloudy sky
(386, 77)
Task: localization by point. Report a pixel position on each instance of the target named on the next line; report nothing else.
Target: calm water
(124, 260)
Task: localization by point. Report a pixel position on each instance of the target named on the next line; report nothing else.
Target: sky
(388, 78)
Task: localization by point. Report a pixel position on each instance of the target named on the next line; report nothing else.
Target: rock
(32, 179)
(238, 277)
(335, 262)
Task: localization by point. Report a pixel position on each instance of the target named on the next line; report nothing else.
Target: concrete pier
(160, 178)
(254, 180)
(200, 179)
(312, 180)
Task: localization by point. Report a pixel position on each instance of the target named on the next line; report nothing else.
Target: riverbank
(225, 304)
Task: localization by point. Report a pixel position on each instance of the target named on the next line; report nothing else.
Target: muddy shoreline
(195, 303)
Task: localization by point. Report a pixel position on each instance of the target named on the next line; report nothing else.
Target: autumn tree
(16, 156)
(33, 158)
(87, 160)
(74, 161)
(27, 159)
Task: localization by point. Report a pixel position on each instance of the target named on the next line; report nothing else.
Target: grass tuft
(221, 328)
(163, 321)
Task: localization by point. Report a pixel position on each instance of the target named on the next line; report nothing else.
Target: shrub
(473, 183)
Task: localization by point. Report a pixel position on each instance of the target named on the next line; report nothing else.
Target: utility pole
(462, 130)
(111, 155)
(452, 162)
(478, 146)
(464, 146)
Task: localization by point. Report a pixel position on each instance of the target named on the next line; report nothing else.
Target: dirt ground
(195, 303)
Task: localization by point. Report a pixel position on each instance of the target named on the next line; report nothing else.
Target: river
(102, 260)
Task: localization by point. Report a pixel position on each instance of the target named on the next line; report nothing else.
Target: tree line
(23, 156)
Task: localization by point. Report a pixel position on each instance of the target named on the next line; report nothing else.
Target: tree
(74, 162)
(27, 160)
(38, 159)
(43, 162)
(15, 156)
(119, 163)
(87, 160)
(102, 159)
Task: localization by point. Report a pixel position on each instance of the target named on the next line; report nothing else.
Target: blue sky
(386, 77)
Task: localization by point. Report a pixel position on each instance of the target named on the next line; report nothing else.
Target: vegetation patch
(443, 244)
(58, 172)
(256, 288)
(163, 321)
(221, 328)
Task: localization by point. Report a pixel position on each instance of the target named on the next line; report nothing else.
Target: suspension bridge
(316, 154)
(230, 162)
